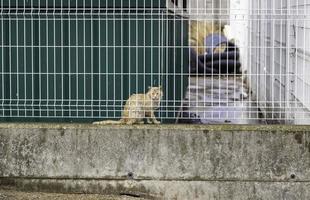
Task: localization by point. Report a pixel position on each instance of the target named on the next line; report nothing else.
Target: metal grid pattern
(279, 59)
(80, 60)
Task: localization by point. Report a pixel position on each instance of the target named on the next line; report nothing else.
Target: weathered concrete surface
(186, 162)
(7, 193)
(152, 189)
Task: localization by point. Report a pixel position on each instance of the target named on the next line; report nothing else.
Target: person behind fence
(221, 57)
(138, 107)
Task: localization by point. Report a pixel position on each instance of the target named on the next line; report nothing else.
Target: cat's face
(155, 93)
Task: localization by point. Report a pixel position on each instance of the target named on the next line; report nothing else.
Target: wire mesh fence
(233, 61)
(83, 59)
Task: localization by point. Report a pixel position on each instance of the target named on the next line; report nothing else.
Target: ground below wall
(158, 162)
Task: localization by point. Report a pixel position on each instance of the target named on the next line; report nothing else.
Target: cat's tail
(109, 122)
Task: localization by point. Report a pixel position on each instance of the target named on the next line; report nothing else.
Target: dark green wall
(68, 67)
(85, 3)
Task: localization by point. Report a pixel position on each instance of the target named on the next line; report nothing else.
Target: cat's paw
(156, 122)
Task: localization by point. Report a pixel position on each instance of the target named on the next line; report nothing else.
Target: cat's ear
(149, 87)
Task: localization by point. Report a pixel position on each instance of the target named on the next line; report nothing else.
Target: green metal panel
(83, 67)
(175, 77)
(85, 3)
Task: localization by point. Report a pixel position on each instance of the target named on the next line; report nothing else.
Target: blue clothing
(214, 40)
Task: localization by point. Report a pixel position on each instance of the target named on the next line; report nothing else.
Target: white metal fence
(81, 60)
(227, 61)
(279, 35)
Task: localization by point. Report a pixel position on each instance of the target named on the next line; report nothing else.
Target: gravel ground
(11, 194)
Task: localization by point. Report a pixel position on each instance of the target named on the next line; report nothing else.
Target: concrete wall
(161, 162)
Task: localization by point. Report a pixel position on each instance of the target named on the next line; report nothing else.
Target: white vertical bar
(212, 60)
(305, 95)
(166, 72)
(258, 52)
(163, 60)
(2, 70)
(196, 12)
(129, 53)
(99, 46)
(268, 63)
(69, 66)
(159, 53)
(25, 61)
(32, 55)
(84, 59)
(114, 62)
(182, 60)
(137, 49)
(122, 54)
(206, 22)
(189, 75)
(265, 48)
(288, 66)
(288, 70)
(152, 18)
(54, 47)
(249, 60)
(40, 72)
(144, 48)
(10, 60)
(295, 78)
(77, 58)
(91, 61)
(273, 62)
(224, 10)
(62, 60)
(281, 63)
(174, 62)
(17, 46)
(235, 73)
(47, 59)
(107, 63)
(220, 82)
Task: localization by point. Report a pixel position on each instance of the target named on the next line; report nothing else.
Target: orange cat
(138, 107)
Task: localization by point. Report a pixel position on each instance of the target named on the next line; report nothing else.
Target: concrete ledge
(225, 127)
(153, 189)
(186, 162)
